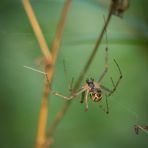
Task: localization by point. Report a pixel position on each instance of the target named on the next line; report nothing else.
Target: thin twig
(57, 120)
(37, 30)
(58, 37)
(88, 63)
(60, 28)
(66, 106)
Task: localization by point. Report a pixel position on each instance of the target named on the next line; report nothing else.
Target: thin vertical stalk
(37, 30)
(57, 40)
(46, 53)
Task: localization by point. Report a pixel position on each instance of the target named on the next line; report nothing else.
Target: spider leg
(106, 56)
(66, 77)
(86, 101)
(71, 84)
(82, 97)
(65, 72)
(115, 85)
(118, 81)
(106, 110)
(105, 88)
(68, 97)
(113, 82)
(106, 66)
(107, 107)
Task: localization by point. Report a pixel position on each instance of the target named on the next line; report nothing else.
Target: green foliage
(21, 90)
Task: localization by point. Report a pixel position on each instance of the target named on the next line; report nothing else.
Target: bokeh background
(21, 89)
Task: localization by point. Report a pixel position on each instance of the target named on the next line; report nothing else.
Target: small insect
(140, 127)
(119, 7)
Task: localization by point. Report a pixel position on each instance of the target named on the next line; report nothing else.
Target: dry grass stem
(60, 28)
(37, 30)
(41, 136)
(57, 39)
(44, 49)
(49, 65)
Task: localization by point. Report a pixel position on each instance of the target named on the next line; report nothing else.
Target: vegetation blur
(21, 90)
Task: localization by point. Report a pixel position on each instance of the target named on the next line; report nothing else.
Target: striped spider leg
(115, 85)
(108, 92)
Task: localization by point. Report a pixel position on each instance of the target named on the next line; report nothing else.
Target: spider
(94, 89)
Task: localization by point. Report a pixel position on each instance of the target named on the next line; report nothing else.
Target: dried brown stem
(37, 30)
(57, 120)
(64, 109)
(49, 65)
(47, 55)
(88, 63)
(43, 118)
(58, 37)
(60, 28)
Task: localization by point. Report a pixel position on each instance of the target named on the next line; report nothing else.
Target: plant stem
(66, 106)
(58, 37)
(37, 30)
(46, 53)
(56, 45)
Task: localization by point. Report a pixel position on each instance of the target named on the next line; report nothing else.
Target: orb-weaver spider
(93, 88)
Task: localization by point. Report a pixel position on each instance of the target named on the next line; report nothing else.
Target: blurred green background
(21, 89)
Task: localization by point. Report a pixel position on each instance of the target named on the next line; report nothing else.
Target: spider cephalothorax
(90, 83)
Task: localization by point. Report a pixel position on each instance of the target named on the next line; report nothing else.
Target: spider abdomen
(95, 94)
